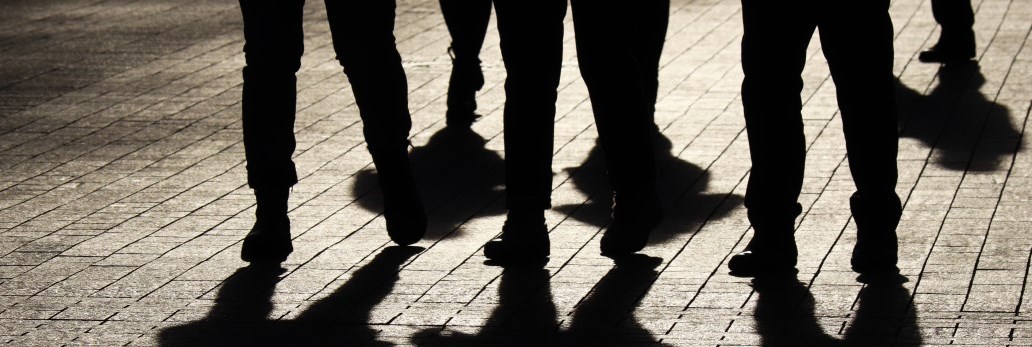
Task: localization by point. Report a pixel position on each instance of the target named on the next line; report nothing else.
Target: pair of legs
(957, 39)
(856, 36)
(363, 39)
(618, 50)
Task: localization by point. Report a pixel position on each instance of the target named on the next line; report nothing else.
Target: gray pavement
(123, 198)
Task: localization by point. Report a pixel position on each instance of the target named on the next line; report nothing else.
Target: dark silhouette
(785, 317)
(242, 306)
(967, 130)
(856, 37)
(467, 23)
(957, 38)
(526, 316)
(681, 183)
(605, 317)
(531, 33)
(363, 38)
(453, 167)
(618, 50)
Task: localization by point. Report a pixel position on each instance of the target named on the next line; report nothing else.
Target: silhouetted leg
(363, 38)
(531, 33)
(273, 44)
(467, 23)
(649, 28)
(957, 39)
(857, 41)
(773, 56)
(606, 52)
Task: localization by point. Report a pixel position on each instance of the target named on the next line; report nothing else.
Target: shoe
(268, 242)
(402, 208)
(466, 79)
(876, 217)
(404, 213)
(633, 221)
(958, 48)
(769, 256)
(521, 243)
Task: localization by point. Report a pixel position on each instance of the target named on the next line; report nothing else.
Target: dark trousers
(618, 50)
(856, 37)
(531, 33)
(363, 38)
(956, 18)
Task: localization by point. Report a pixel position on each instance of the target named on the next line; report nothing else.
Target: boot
(634, 217)
(402, 208)
(875, 253)
(269, 239)
(772, 250)
(951, 48)
(466, 79)
(524, 240)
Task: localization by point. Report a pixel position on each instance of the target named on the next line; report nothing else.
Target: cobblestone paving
(123, 203)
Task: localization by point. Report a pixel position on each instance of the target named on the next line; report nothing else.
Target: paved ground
(123, 203)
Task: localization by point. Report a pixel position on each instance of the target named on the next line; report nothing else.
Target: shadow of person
(605, 317)
(785, 316)
(681, 186)
(524, 316)
(968, 130)
(454, 167)
(240, 316)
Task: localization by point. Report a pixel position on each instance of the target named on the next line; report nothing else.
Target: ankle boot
(876, 218)
(269, 239)
(772, 250)
(634, 217)
(524, 240)
(466, 79)
(402, 208)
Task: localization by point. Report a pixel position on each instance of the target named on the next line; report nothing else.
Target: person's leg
(467, 24)
(532, 45)
(363, 38)
(612, 71)
(773, 56)
(957, 38)
(273, 44)
(857, 41)
(648, 33)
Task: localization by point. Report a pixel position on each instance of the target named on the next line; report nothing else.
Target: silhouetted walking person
(957, 38)
(618, 50)
(857, 40)
(531, 33)
(467, 23)
(363, 39)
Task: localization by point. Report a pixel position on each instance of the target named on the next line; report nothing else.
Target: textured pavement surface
(123, 199)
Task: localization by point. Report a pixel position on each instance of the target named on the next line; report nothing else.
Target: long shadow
(681, 187)
(967, 130)
(605, 317)
(785, 317)
(240, 316)
(526, 316)
(453, 168)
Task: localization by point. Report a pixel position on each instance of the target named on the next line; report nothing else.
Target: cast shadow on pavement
(240, 315)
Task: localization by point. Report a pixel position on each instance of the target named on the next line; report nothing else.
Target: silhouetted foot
(770, 257)
(404, 214)
(633, 220)
(874, 256)
(946, 52)
(876, 217)
(521, 243)
(268, 242)
(466, 79)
